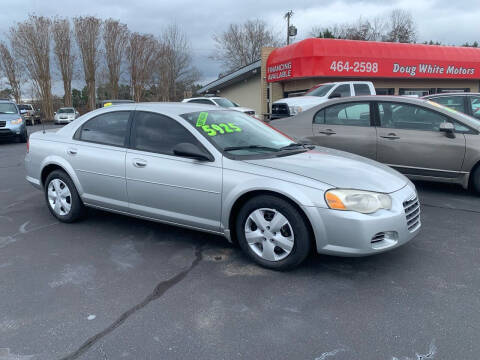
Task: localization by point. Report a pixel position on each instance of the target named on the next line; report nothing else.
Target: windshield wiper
(246, 147)
(295, 145)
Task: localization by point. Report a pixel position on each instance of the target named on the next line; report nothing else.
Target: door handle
(139, 163)
(391, 136)
(327, 132)
(72, 151)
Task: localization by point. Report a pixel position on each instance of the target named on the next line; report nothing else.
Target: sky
(447, 21)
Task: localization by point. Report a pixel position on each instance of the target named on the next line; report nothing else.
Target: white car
(221, 102)
(65, 115)
(318, 95)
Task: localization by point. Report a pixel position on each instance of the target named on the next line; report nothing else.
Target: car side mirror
(335, 95)
(448, 129)
(190, 150)
(55, 113)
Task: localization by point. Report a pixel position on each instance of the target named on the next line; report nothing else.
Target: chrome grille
(412, 213)
(3, 123)
(280, 110)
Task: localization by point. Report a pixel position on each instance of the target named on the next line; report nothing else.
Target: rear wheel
(62, 197)
(273, 232)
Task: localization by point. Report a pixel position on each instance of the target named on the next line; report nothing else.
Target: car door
(97, 154)
(167, 187)
(410, 140)
(346, 126)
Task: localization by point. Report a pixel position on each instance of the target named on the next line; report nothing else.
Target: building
(394, 69)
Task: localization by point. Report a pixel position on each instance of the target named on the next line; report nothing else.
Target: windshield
(322, 90)
(225, 103)
(8, 108)
(237, 133)
(25, 107)
(65, 111)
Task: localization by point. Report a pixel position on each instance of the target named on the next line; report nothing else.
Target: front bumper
(12, 130)
(347, 233)
(63, 121)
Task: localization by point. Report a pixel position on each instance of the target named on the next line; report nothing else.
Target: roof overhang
(236, 76)
(369, 59)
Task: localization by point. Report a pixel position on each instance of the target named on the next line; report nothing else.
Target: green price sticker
(215, 129)
(202, 119)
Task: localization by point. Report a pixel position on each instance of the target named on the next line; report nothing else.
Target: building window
(452, 90)
(385, 91)
(413, 92)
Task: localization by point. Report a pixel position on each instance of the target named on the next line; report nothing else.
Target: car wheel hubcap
(269, 234)
(59, 197)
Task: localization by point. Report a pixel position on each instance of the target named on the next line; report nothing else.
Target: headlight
(364, 202)
(294, 110)
(17, 121)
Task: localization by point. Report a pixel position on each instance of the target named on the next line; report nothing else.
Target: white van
(318, 95)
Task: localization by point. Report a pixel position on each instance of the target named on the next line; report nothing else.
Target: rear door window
(352, 114)
(108, 129)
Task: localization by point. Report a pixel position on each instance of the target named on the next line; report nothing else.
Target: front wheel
(273, 232)
(62, 197)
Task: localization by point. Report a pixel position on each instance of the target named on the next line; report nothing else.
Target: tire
(271, 246)
(58, 179)
(476, 180)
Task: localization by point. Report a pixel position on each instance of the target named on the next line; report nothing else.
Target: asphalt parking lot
(113, 287)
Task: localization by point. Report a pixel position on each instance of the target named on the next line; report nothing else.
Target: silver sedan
(226, 173)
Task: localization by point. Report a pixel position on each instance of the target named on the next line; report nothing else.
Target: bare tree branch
(142, 53)
(115, 39)
(62, 37)
(241, 45)
(10, 66)
(31, 43)
(87, 33)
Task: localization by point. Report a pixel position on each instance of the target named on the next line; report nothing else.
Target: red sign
(348, 58)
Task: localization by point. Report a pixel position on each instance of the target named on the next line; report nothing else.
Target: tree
(87, 33)
(142, 53)
(397, 26)
(10, 66)
(241, 44)
(401, 27)
(115, 39)
(62, 38)
(174, 70)
(31, 43)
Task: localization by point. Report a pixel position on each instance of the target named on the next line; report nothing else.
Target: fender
(59, 161)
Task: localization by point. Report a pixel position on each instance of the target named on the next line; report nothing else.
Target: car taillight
(28, 145)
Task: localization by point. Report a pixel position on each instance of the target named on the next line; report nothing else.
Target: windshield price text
(356, 67)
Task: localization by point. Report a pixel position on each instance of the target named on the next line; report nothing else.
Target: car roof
(451, 94)
(206, 97)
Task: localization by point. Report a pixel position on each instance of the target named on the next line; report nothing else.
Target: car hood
(241, 108)
(303, 101)
(6, 117)
(338, 169)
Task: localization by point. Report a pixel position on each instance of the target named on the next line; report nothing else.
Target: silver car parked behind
(226, 173)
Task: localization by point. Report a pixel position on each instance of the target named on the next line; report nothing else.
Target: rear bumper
(347, 233)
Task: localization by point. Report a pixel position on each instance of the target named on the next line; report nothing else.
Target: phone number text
(356, 67)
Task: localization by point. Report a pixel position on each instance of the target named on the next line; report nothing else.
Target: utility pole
(287, 16)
